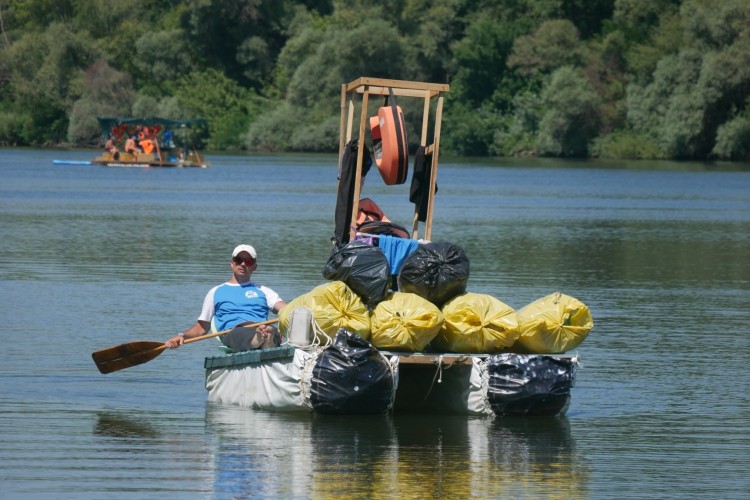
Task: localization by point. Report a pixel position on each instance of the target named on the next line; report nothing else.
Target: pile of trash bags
(430, 309)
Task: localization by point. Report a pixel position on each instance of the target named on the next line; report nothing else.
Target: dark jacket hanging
(345, 196)
(420, 184)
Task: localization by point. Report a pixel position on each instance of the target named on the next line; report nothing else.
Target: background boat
(150, 142)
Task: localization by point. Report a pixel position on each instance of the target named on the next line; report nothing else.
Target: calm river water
(93, 257)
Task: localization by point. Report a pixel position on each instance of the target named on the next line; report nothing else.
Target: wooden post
(360, 156)
(433, 173)
(158, 149)
(342, 141)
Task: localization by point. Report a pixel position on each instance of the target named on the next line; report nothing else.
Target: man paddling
(234, 303)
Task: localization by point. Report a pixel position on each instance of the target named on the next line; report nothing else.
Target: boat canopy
(109, 124)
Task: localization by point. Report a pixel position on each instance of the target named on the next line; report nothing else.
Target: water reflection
(659, 254)
(144, 455)
(118, 425)
(414, 456)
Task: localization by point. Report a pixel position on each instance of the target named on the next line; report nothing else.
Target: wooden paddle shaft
(218, 334)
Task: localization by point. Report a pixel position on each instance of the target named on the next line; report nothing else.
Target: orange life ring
(388, 131)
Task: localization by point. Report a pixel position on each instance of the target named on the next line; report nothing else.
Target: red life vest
(147, 146)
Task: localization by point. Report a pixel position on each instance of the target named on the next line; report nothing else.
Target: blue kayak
(70, 162)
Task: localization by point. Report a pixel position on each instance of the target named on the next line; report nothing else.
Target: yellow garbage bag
(334, 305)
(477, 323)
(553, 324)
(404, 322)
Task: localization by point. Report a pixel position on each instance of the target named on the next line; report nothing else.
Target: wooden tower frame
(365, 87)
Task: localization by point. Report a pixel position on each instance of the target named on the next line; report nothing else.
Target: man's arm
(198, 329)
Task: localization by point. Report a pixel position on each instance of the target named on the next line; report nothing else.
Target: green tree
(482, 88)
(516, 134)
(224, 34)
(312, 68)
(101, 19)
(107, 92)
(431, 26)
(45, 78)
(706, 83)
(36, 15)
(228, 107)
(553, 45)
(733, 138)
(638, 17)
(587, 15)
(468, 131)
(480, 59)
(571, 118)
(162, 55)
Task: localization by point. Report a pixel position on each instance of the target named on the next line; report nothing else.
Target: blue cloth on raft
(396, 250)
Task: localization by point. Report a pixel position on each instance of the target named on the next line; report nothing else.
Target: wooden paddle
(136, 353)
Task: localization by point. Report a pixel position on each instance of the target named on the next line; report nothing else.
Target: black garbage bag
(351, 377)
(530, 384)
(364, 268)
(435, 271)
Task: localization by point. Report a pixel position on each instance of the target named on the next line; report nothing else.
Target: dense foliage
(575, 78)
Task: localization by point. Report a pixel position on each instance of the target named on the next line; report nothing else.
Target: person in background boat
(167, 141)
(147, 146)
(111, 148)
(130, 146)
(237, 301)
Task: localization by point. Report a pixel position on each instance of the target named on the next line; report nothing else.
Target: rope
(319, 334)
(438, 376)
(319, 341)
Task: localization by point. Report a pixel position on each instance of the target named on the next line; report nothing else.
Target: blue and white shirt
(231, 303)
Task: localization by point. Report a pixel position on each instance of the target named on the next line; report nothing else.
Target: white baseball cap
(244, 248)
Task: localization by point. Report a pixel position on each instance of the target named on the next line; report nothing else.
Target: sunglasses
(249, 261)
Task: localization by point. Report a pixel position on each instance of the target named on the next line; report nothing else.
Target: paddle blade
(126, 355)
